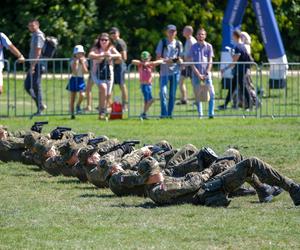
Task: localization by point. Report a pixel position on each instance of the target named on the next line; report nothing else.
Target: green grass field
(38, 211)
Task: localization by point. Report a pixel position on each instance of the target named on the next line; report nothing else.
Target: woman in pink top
(102, 55)
(145, 68)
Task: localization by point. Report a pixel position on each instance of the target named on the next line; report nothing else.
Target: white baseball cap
(78, 49)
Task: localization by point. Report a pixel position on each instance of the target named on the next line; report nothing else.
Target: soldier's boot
(206, 156)
(295, 194)
(266, 192)
(242, 191)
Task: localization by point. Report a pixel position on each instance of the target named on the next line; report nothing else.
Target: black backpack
(164, 46)
(50, 47)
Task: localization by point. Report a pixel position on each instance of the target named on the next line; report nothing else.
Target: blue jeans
(166, 111)
(211, 103)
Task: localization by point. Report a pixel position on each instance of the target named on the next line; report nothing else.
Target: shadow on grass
(69, 181)
(35, 169)
(97, 196)
(86, 188)
(146, 205)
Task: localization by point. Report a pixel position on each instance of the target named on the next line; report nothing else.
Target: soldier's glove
(206, 157)
(56, 134)
(36, 128)
(127, 148)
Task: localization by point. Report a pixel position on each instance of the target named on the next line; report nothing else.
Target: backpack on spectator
(164, 45)
(50, 47)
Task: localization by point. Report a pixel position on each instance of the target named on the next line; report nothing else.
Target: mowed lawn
(38, 211)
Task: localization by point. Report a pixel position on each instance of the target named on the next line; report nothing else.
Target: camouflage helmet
(85, 153)
(67, 149)
(31, 138)
(2, 127)
(164, 145)
(147, 167)
(235, 153)
(42, 147)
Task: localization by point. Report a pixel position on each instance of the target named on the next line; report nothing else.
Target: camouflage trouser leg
(183, 162)
(132, 159)
(243, 171)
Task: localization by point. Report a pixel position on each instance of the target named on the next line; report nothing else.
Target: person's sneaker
(222, 107)
(88, 108)
(182, 102)
(295, 194)
(143, 116)
(211, 117)
(43, 107)
(73, 117)
(78, 110)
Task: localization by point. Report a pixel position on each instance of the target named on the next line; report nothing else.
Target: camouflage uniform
(174, 190)
(215, 192)
(12, 148)
(127, 182)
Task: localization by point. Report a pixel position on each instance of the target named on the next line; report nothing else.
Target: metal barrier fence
(275, 91)
(5, 82)
(222, 87)
(282, 85)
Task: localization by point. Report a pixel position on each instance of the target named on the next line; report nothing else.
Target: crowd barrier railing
(274, 90)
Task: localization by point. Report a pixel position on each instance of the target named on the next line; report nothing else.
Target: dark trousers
(32, 85)
(238, 81)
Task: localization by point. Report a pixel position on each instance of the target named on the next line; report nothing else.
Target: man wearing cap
(169, 49)
(120, 65)
(202, 54)
(6, 43)
(186, 71)
(34, 76)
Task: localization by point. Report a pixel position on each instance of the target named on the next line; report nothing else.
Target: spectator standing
(102, 54)
(120, 64)
(169, 49)
(6, 43)
(240, 54)
(34, 76)
(145, 68)
(77, 83)
(202, 53)
(186, 71)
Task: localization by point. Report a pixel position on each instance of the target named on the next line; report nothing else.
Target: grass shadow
(86, 188)
(70, 181)
(97, 196)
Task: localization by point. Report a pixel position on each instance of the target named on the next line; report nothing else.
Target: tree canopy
(141, 22)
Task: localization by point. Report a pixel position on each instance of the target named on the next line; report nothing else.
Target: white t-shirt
(187, 46)
(4, 42)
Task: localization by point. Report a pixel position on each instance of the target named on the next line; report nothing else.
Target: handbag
(204, 93)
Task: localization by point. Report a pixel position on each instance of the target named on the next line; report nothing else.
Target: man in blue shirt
(169, 49)
(202, 54)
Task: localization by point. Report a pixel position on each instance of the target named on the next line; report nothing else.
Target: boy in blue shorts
(76, 82)
(145, 68)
